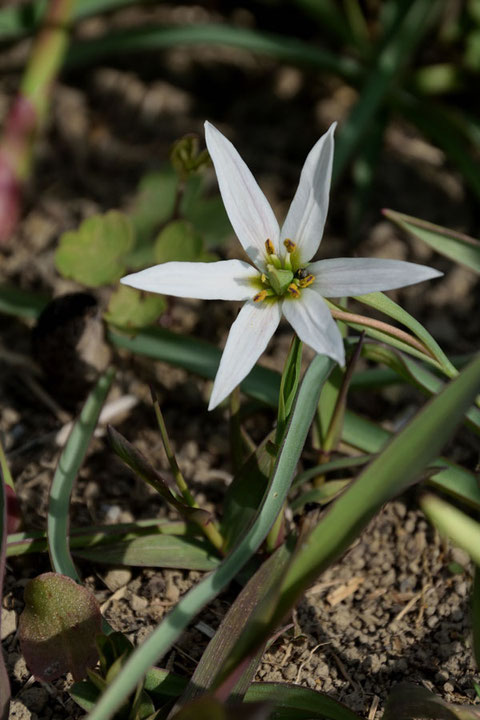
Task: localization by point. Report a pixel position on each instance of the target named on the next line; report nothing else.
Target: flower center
(281, 277)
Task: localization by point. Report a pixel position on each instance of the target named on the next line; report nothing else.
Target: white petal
(247, 207)
(248, 338)
(223, 280)
(356, 276)
(311, 319)
(307, 214)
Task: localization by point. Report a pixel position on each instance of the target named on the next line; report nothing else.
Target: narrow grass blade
(4, 683)
(476, 615)
(65, 474)
(292, 702)
(451, 522)
(264, 581)
(457, 246)
(384, 304)
(20, 303)
(170, 628)
(408, 702)
(391, 59)
(162, 551)
(390, 473)
(436, 122)
(284, 48)
(321, 495)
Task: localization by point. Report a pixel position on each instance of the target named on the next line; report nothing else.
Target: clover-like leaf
(180, 241)
(131, 309)
(58, 627)
(94, 254)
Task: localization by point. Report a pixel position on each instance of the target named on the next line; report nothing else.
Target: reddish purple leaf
(58, 626)
(4, 684)
(14, 514)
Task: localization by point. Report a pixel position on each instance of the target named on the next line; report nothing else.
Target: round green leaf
(130, 308)
(94, 254)
(178, 241)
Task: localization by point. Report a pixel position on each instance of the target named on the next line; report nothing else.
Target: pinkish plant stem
(29, 110)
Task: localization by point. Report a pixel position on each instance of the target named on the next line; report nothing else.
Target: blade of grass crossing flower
(384, 304)
(4, 683)
(191, 603)
(390, 473)
(451, 522)
(65, 475)
(455, 245)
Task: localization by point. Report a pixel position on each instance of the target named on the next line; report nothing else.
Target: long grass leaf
(391, 59)
(389, 474)
(455, 245)
(65, 475)
(168, 631)
(384, 304)
(292, 701)
(451, 522)
(285, 48)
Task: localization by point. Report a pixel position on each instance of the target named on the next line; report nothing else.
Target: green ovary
(279, 279)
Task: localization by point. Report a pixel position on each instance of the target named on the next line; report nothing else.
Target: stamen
(269, 247)
(264, 279)
(293, 290)
(260, 296)
(290, 245)
(306, 281)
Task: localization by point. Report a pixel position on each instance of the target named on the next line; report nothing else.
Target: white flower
(282, 279)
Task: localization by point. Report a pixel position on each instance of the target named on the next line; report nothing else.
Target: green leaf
(163, 551)
(321, 495)
(390, 60)
(140, 465)
(451, 522)
(207, 214)
(178, 241)
(245, 493)
(94, 255)
(287, 49)
(389, 474)
(58, 626)
(408, 702)
(384, 304)
(455, 245)
(292, 702)
(68, 466)
(21, 303)
(191, 603)
(131, 309)
(264, 582)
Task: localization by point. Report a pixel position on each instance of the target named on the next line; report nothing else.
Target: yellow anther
(264, 279)
(260, 296)
(290, 245)
(306, 281)
(269, 247)
(293, 290)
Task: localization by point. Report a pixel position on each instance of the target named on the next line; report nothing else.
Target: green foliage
(130, 309)
(179, 241)
(457, 246)
(94, 255)
(154, 550)
(187, 158)
(58, 627)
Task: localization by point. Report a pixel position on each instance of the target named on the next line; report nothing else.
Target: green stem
(7, 476)
(210, 530)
